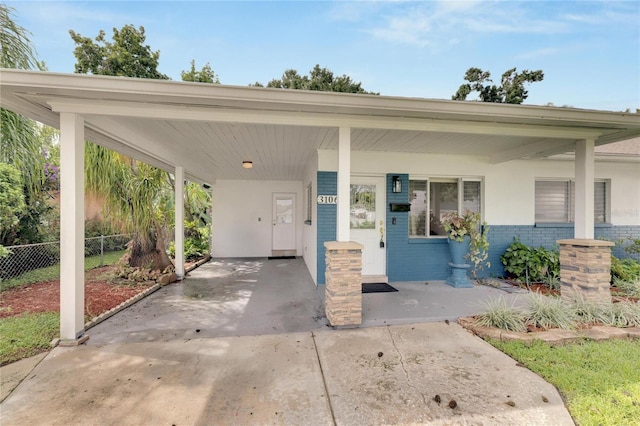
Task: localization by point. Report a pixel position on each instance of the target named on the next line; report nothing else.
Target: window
(363, 207)
(432, 199)
(309, 212)
(555, 201)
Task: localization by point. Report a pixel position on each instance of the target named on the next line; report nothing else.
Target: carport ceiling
(210, 129)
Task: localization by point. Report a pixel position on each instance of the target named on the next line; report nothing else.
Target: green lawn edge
(600, 381)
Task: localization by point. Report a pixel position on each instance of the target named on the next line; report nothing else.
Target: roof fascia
(180, 112)
(40, 82)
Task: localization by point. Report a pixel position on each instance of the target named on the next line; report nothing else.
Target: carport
(204, 132)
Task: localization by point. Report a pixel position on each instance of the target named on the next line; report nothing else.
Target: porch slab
(224, 297)
(429, 301)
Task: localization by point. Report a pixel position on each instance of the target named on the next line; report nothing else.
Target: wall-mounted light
(396, 184)
(247, 164)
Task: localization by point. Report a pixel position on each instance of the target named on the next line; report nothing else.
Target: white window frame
(570, 214)
(460, 181)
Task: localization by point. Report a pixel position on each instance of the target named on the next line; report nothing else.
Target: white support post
(179, 222)
(344, 179)
(211, 229)
(71, 229)
(584, 190)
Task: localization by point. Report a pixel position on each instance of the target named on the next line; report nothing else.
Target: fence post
(101, 250)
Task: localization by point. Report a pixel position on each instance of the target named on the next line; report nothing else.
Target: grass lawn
(53, 272)
(600, 381)
(27, 335)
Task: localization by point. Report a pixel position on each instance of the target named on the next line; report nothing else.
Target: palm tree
(133, 189)
(19, 144)
(134, 192)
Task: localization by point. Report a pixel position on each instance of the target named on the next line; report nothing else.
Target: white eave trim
(193, 113)
(42, 83)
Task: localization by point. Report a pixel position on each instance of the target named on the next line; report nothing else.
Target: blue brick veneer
(411, 259)
(418, 259)
(327, 216)
(500, 236)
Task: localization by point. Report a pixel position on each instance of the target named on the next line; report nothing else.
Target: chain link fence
(27, 258)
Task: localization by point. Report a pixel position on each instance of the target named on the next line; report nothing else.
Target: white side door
(367, 219)
(284, 223)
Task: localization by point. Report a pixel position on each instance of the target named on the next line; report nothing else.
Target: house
(292, 171)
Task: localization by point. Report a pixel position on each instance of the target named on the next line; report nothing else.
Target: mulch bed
(101, 294)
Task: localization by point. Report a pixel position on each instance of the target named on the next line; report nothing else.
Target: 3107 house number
(327, 199)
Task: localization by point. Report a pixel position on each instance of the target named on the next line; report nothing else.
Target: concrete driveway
(172, 360)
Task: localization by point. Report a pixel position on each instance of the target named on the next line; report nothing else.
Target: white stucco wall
(509, 188)
(310, 232)
(242, 216)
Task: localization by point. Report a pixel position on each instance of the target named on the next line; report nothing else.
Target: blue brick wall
(327, 216)
(418, 259)
(411, 259)
(500, 236)
(615, 233)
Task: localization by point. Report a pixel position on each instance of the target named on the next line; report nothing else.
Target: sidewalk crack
(324, 381)
(404, 368)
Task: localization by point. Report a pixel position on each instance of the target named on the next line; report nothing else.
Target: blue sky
(589, 51)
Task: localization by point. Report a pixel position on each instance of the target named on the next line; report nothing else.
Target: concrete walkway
(246, 342)
(378, 375)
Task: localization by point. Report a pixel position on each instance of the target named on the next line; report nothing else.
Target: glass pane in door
(284, 211)
(363, 207)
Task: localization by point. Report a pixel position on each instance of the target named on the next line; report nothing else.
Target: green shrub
(196, 244)
(548, 312)
(528, 264)
(628, 288)
(625, 269)
(500, 315)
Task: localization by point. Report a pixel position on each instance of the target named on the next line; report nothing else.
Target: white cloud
(437, 23)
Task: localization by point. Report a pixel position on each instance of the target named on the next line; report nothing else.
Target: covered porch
(204, 133)
(258, 296)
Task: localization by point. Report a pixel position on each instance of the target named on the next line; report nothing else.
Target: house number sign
(327, 199)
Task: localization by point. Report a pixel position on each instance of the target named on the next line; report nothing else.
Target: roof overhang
(209, 129)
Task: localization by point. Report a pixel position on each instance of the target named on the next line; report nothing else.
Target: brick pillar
(585, 268)
(343, 288)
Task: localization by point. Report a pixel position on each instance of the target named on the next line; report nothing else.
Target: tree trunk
(147, 251)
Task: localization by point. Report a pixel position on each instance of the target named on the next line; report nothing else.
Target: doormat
(280, 257)
(377, 288)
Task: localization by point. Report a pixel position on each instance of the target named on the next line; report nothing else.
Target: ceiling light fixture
(247, 164)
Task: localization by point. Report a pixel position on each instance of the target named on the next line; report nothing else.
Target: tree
(21, 147)
(321, 79)
(12, 204)
(127, 56)
(206, 75)
(18, 135)
(511, 90)
(131, 188)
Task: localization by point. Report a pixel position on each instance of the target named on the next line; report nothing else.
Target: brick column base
(343, 288)
(585, 269)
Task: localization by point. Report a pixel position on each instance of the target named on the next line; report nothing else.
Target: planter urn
(459, 267)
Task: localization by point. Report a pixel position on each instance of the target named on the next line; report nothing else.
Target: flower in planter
(458, 226)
